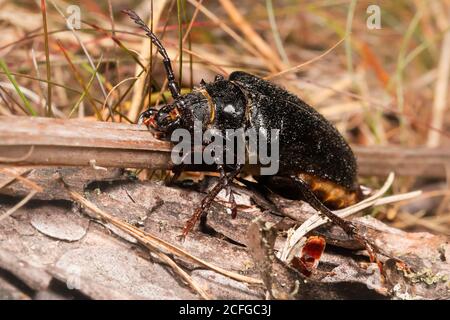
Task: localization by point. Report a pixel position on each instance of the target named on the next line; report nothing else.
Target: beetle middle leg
(223, 182)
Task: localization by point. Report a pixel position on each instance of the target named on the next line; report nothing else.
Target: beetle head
(182, 113)
(163, 120)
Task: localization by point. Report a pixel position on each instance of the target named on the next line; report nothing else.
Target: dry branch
(54, 142)
(77, 143)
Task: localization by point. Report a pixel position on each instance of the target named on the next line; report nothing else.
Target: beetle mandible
(316, 164)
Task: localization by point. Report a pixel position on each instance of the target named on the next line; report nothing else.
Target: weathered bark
(54, 239)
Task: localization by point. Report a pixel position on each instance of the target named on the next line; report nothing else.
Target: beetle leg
(347, 226)
(177, 171)
(229, 191)
(233, 204)
(311, 198)
(207, 201)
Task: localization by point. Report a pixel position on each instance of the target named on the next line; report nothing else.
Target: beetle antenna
(173, 87)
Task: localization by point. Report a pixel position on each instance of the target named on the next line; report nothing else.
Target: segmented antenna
(173, 87)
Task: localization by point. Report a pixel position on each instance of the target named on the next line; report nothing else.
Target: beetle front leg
(223, 182)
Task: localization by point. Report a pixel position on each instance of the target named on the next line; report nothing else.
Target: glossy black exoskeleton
(316, 164)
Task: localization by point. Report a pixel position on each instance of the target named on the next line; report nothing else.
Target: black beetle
(316, 164)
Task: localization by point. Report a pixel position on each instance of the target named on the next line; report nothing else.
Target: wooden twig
(60, 142)
(418, 162)
(76, 143)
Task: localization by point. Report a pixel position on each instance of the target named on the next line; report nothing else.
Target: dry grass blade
(18, 171)
(79, 79)
(275, 32)
(48, 111)
(88, 56)
(207, 61)
(191, 54)
(17, 176)
(38, 74)
(437, 224)
(348, 33)
(180, 42)
(11, 78)
(86, 91)
(440, 93)
(379, 105)
(183, 274)
(214, 18)
(65, 87)
(270, 56)
(132, 54)
(115, 88)
(304, 63)
(25, 181)
(30, 95)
